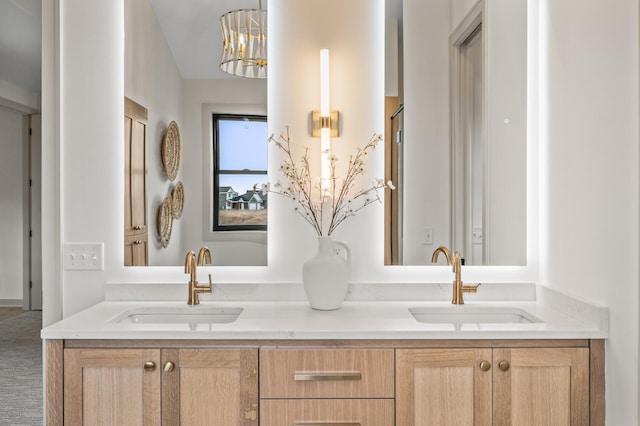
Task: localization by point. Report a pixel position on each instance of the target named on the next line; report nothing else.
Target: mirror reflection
(455, 109)
(189, 185)
(455, 131)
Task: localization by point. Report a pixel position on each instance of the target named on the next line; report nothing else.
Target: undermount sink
(472, 315)
(179, 315)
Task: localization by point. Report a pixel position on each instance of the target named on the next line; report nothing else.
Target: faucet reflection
(190, 267)
(456, 262)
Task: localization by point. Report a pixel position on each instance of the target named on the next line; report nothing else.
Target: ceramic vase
(326, 275)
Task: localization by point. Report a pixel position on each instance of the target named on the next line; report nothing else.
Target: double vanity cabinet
(371, 363)
(325, 382)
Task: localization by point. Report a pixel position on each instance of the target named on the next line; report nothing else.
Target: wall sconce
(325, 122)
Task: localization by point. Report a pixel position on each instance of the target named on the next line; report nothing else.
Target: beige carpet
(21, 369)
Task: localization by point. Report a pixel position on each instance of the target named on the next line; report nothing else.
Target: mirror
(456, 132)
(172, 53)
(435, 201)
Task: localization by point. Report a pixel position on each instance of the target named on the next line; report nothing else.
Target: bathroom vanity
(370, 363)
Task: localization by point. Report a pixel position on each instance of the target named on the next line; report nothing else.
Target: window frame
(217, 171)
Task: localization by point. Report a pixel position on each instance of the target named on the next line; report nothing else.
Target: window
(239, 172)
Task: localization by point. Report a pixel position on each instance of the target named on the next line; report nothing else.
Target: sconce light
(325, 121)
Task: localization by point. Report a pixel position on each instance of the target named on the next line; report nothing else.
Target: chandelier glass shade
(244, 43)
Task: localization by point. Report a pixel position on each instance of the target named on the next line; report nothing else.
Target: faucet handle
(470, 288)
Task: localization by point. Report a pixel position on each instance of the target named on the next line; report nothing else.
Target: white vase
(326, 275)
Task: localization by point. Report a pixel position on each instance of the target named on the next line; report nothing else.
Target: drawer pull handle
(310, 377)
(327, 423)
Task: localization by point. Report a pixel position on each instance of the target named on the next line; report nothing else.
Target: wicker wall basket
(177, 200)
(165, 220)
(171, 150)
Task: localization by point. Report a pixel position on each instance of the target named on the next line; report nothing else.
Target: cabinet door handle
(485, 366)
(168, 366)
(137, 228)
(327, 423)
(325, 376)
(504, 365)
(149, 366)
(137, 242)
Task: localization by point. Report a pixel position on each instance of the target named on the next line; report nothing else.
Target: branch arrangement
(313, 202)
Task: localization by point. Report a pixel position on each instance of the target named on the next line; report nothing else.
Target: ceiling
(20, 43)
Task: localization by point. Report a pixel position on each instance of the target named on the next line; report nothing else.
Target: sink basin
(179, 315)
(472, 315)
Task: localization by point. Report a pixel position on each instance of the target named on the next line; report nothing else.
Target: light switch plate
(84, 256)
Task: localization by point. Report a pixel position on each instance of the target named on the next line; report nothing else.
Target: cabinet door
(136, 250)
(443, 387)
(213, 387)
(547, 386)
(326, 412)
(111, 387)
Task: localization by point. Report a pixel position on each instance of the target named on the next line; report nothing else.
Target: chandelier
(244, 42)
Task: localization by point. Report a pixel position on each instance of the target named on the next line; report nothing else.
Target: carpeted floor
(21, 370)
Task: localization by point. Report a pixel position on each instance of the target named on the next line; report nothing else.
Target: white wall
(426, 128)
(12, 205)
(152, 79)
(590, 173)
(505, 29)
(91, 133)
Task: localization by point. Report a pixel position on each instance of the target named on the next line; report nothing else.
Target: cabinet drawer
(327, 412)
(326, 373)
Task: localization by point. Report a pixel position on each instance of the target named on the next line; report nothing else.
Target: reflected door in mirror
(135, 216)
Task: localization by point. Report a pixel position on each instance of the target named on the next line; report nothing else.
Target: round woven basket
(171, 150)
(177, 200)
(165, 220)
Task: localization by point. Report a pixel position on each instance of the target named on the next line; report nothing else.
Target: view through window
(240, 171)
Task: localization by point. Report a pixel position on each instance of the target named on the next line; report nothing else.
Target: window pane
(243, 144)
(239, 203)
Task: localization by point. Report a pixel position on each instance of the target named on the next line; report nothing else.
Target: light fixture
(244, 42)
(325, 122)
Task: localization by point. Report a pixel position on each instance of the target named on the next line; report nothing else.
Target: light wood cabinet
(168, 386)
(501, 386)
(135, 191)
(295, 383)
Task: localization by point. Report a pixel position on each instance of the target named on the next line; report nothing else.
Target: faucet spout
(456, 263)
(204, 255)
(191, 267)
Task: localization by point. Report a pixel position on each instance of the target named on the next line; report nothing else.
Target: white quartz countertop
(288, 320)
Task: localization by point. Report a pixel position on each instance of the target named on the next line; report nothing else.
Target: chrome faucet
(456, 262)
(191, 268)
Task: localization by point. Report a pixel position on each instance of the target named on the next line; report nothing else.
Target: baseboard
(10, 302)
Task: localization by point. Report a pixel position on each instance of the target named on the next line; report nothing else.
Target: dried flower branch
(311, 200)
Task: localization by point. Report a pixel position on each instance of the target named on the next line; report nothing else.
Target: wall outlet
(428, 235)
(477, 236)
(84, 256)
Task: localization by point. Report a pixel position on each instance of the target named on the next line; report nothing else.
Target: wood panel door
(540, 387)
(135, 191)
(111, 387)
(213, 387)
(443, 387)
